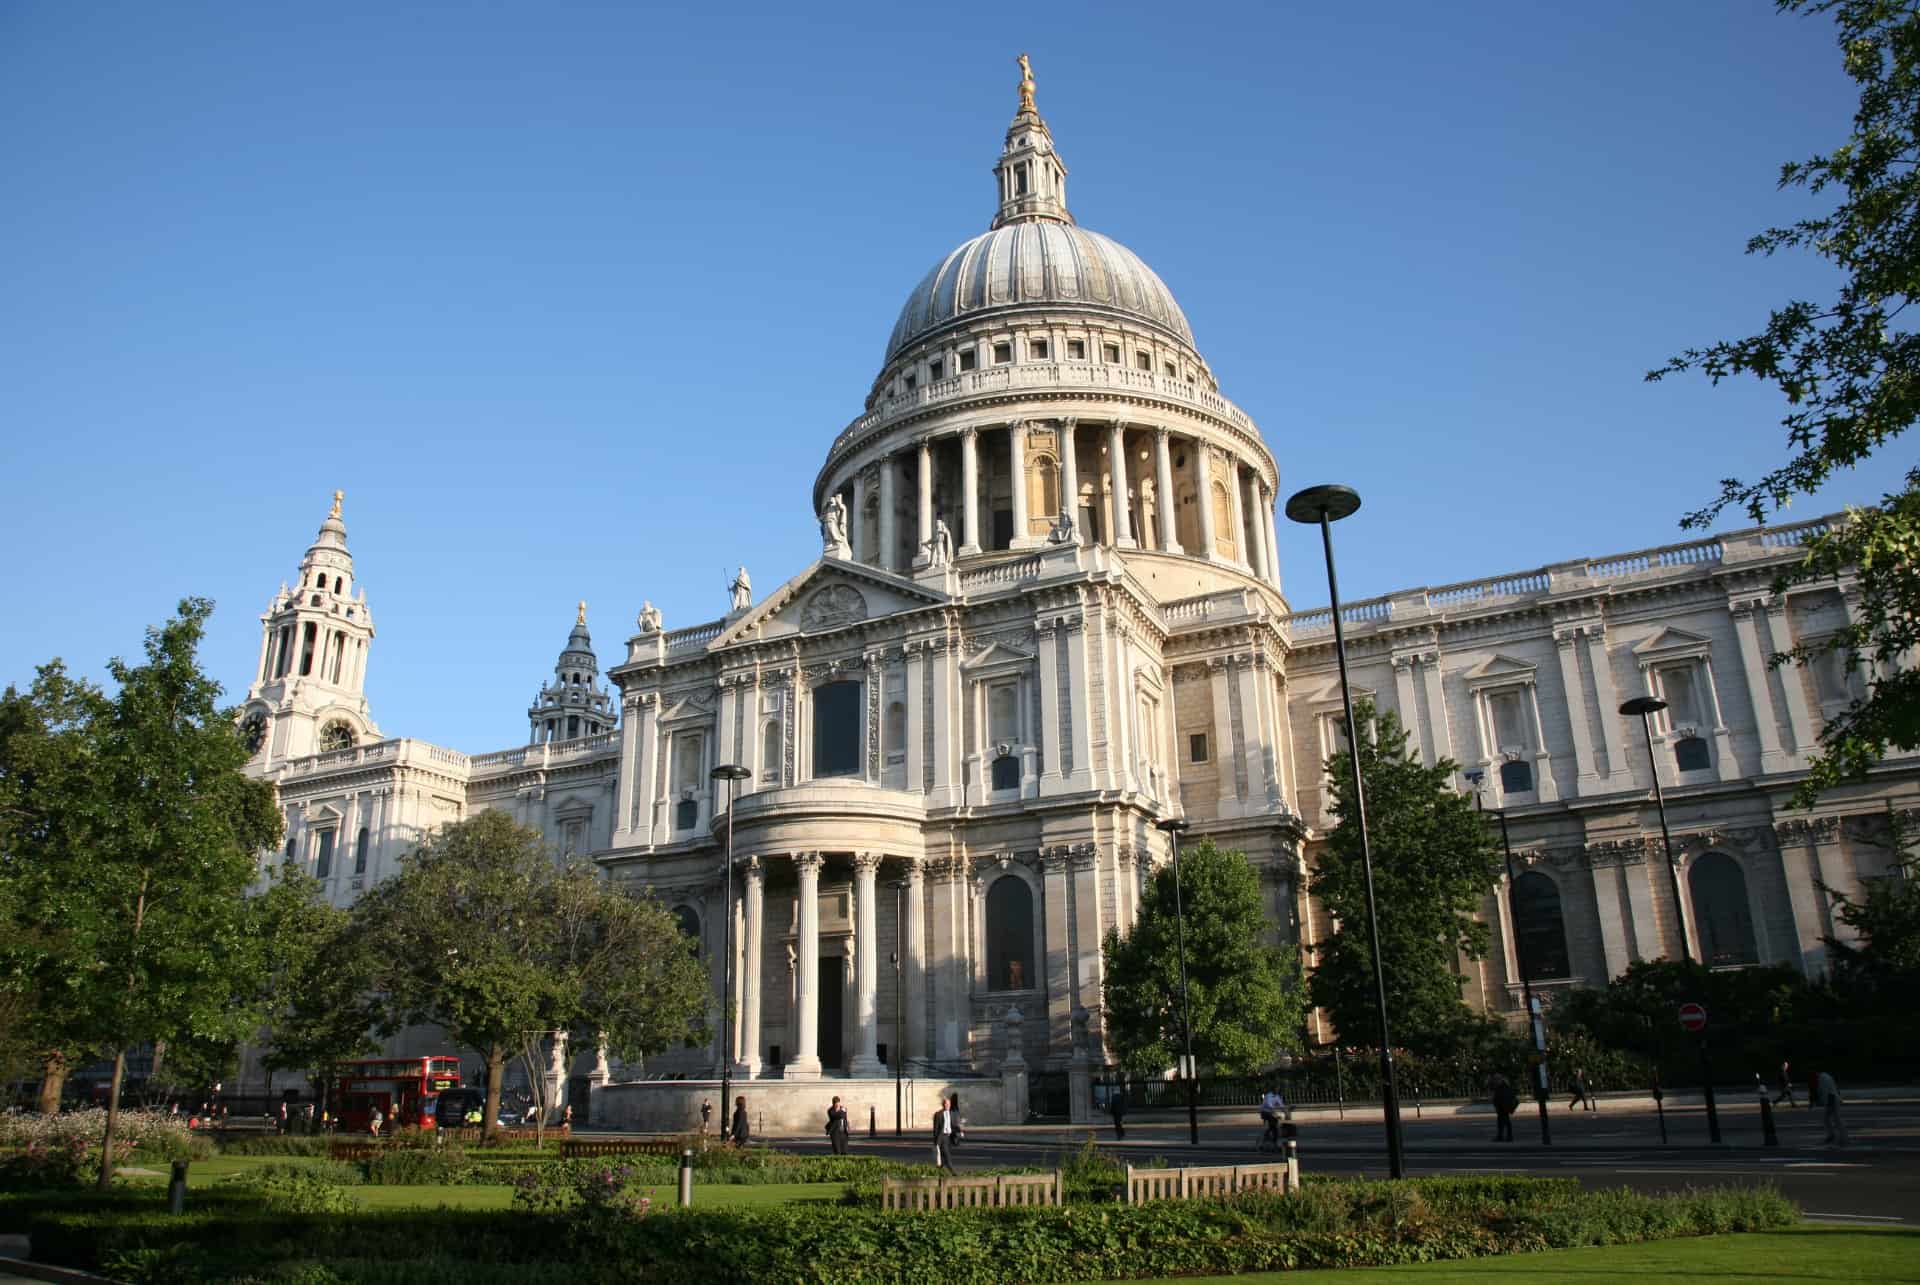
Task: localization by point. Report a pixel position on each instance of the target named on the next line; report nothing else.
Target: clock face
(253, 732)
(336, 736)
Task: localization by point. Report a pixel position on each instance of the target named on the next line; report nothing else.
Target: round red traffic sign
(1693, 1016)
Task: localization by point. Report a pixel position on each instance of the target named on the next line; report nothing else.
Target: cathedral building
(1045, 614)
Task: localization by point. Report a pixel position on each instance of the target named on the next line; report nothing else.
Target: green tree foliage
(483, 935)
(1850, 373)
(1434, 862)
(1881, 966)
(314, 991)
(1245, 994)
(132, 835)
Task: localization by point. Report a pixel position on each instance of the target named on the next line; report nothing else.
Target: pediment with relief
(1670, 641)
(996, 655)
(829, 595)
(1499, 668)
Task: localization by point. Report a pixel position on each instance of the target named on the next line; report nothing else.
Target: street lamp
(1535, 1025)
(1174, 827)
(899, 1050)
(732, 774)
(1321, 506)
(1645, 707)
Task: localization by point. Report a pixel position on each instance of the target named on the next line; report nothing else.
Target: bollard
(686, 1178)
(1659, 1107)
(1293, 1165)
(177, 1189)
(873, 1121)
(1768, 1134)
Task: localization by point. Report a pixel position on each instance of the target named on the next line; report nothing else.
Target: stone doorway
(833, 1010)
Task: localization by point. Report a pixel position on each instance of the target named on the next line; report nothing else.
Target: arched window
(323, 863)
(1539, 929)
(1690, 754)
(1043, 488)
(360, 852)
(336, 584)
(836, 729)
(290, 842)
(1010, 935)
(770, 753)
(1720, 911)
(1516, 777)
(1223, 519)
(1006, 773)
(689, 928)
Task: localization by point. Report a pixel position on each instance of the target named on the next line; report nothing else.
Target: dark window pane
(1690, 754)
(1006, 773)
(689, 928)
(1197, 747)
(324, 866)
(686, 813)
(1009, 934)
(1516, 777)
(836, 729)
(1720, 910)
(1539, 930)
(360, 852)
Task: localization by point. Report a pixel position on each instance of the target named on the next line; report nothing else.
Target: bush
(297, 1189)
(276, 1145)
(338, 1172)
(405, 1167)
(66, 1147)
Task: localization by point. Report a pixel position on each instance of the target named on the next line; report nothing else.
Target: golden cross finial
(337, 497)
(1026, 84)
(581, 619)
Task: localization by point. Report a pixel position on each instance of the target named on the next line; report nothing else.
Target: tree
(1245, 994)
(1851, 378)
(314, 991)
(134, 835)
(1434, 861)
(484, 936)
(1882, 971)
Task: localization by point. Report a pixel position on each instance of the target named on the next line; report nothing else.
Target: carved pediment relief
(829, 596)
(831, 606)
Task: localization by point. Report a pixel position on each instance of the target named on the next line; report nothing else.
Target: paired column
(926, 498)
(749, 1064)
(1163, 478)
(1117, 467)
(866, 960)
(805, 1063)
(1017, 459)
(1203, 497)
(889, 536)
(1242, 552)
(857, 525)
(913, 1042)
(1070, 478)
(970, 486)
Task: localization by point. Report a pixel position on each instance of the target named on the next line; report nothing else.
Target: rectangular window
(1505, 713)
(323, 864)
(1832, 680)
(1003, 714)
(1197, 747)
(1110, 353)
(1682, 693)
(1077, 349)
(912, 383)
(1002, 354)
(836, 729)
(1038, 349)
(1172, 370)
(935, 369)
(968, 359)
(1143, 360)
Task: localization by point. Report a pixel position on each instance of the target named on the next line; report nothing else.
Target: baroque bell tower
(309, 693)
(573, 704)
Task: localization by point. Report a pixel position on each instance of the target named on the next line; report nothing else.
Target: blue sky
(571, 298)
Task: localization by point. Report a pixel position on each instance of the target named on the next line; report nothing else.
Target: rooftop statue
(833, 529)
(1026, 85)
(741, 591)
(649, 618)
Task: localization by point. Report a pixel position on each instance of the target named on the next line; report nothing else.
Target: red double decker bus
(403, 1088)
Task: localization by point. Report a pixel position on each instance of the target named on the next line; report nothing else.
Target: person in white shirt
(1272, 1108)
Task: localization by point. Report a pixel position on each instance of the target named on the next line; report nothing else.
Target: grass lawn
(1809, 1253)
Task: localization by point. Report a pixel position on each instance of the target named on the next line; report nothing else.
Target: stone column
(857, 523)
(1056, 871)
(805, 1062)
(749, 1064)
(1169, 503)
(1017, 465)
(866, 961)
(1240, 542)
(1267, 518)
(1263, 532)
(1203, 495)
(914, 965)
(1070, 478)
(889, 559)
(970, 485)
(926, 498)
(1607, 696)
(1773, 757)
(1117, 470)
(1799, 713)
(1575, 690)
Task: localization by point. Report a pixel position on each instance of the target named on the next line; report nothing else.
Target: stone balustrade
(547, 752)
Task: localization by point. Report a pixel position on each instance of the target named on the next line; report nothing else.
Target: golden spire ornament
(1026, 85)
(581, 619)
(337, 497)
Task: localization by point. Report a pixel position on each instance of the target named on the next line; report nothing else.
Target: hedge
(1329, 1223)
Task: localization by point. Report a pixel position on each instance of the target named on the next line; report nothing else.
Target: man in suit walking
(943, 1126)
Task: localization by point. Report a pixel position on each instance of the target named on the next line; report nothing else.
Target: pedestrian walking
(283, 1115)
(1827, 1094)
(1117, 1108)
(566, 1120)
(1273, 1109)
(706, 1115)
(1582, 1092)
(1506, 1100)
(943, 1131)
(740, 1121)
(837, 1126)
(1786, 1085)
(957, 1133)
(374, 1122)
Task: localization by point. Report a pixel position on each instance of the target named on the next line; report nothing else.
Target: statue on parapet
(741, 591)
(1062, 532)
(939, 549)
(833, 529)
(649, 621)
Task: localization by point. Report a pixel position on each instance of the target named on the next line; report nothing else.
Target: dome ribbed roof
(1023, 265)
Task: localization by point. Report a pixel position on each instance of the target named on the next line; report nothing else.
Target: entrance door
(833, 1010)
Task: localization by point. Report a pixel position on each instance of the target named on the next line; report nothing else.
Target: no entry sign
(1693, 1016)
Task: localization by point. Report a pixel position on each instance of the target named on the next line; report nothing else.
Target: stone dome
(1037, 263)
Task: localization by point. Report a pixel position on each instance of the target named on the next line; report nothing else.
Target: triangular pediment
(829, 595)
(1500, 665)
(1670, 639)
(996, 654)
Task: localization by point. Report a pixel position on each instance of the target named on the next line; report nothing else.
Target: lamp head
(1173, 825)
(1330, 501)
(730, 772)
(1641, 706)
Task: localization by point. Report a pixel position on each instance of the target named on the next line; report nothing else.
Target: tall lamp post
(1535, 1026)
(899, 1050)
(1645, 707)
(732, 774)
(1322, 506)
(1174, 827)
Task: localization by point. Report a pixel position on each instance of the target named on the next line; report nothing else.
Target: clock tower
(309, 693)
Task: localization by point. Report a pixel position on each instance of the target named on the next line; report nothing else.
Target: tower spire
(1033, 178)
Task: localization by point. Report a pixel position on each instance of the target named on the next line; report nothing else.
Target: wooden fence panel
(1206, 1181)
(990, 1192)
